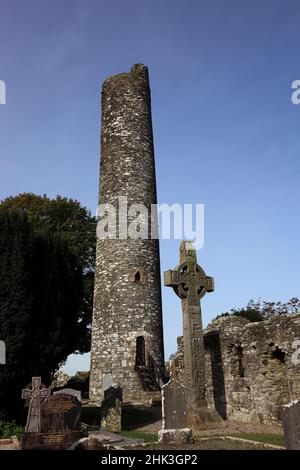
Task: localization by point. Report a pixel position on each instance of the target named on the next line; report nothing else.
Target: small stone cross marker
(190, 283)
(37, 393)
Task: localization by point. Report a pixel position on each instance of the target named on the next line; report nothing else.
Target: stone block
(175, 437)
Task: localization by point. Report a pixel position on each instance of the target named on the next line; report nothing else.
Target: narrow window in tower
(139, 277)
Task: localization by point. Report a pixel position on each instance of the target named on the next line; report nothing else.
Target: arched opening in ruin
(140, 358)
(279, 355)
(237, 360)
(213, 345)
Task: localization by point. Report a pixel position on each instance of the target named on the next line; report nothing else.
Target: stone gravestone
(69, 391)
(190, 283)
(111, 410)
(106, 383)
(36, 393)
(174, 396)
(291, 425)
(53, 423)
(174, 413)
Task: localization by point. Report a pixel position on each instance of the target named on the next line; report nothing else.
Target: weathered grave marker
(111, 410)
(69, 391)
(291, 425)
(37, 392)
(53, 421)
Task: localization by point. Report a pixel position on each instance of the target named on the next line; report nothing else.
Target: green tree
(250, 314)
(262, 310)
(77, 227)
(40, 300)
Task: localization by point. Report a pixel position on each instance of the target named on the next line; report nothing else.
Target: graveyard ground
(140, 426)
(142, 422)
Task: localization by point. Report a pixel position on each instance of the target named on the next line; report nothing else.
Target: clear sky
(226, 132)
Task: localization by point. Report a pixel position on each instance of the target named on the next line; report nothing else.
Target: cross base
(50, 441)
(202, 417)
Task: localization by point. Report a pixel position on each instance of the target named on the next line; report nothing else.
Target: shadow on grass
(91, 415)
(134, 417)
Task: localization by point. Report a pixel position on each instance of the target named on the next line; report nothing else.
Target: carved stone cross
(190, 283)
(37, 393)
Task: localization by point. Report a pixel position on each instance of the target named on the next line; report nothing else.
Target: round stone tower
(127, 333)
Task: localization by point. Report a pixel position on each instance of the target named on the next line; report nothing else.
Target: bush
(9, 429)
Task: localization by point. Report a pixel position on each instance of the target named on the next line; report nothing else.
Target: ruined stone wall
(250, 367)
(127, 298)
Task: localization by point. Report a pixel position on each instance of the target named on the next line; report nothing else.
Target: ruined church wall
(251, 368)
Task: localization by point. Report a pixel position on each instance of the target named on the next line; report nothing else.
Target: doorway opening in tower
(140, 359)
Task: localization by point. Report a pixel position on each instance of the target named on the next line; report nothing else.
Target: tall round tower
(127, 333)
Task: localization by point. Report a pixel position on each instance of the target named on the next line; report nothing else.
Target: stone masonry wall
(127, 297)
(250, 367)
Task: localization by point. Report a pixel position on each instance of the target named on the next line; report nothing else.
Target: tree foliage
(262, 310)
(40, 305)
(76, 227)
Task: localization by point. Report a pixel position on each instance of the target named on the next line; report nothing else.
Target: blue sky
(226, 132)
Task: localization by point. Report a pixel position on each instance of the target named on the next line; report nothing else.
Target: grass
(146, 436)
(275, 439)
(211, 444)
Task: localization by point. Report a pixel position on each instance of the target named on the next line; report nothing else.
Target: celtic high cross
(190, 283)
